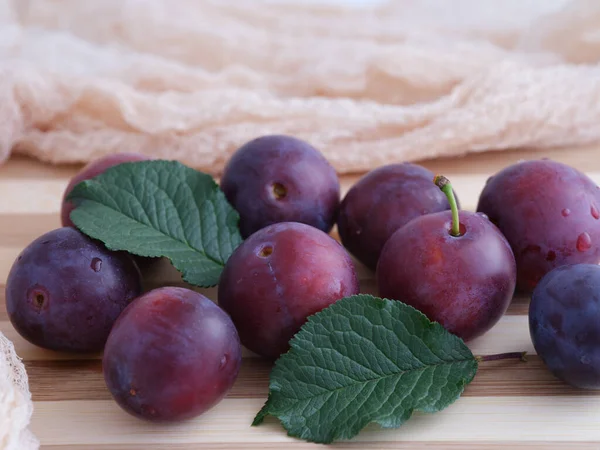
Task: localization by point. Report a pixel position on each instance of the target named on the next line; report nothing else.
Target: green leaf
(160, 209)
(365, 359)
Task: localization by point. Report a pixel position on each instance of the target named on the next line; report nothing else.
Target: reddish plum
(65, 291)
(92, 170)
(277, 178)
(465, 280)
(381, 202)
(172, 355)
(277, 278)
(548, 212)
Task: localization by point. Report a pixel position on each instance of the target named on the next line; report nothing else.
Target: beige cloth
(15, 401)
(194, 79)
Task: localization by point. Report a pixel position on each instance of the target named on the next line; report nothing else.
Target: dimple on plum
(381, 202)
(278, 277)
(278, 178)
(548, 212)
(65, 290)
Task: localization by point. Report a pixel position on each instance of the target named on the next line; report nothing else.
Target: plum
(381, 202)
(279, 178)
(65, 291)
(91, 170)
(278, 277)
(549, 213)
(564, 314)
(172, 355)
(454, 266)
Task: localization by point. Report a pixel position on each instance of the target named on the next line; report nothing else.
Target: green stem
(444, 184)
(513, 355)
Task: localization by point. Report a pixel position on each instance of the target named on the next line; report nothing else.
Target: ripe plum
(564, 314)
(548, 212)
(455, 267)
(277, 178)
(172, 355)
(65, 291)
(278, 277)
(381, 202)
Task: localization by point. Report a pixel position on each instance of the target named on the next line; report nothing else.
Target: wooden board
(509, 404)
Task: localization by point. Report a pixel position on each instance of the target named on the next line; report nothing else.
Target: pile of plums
(171, 353)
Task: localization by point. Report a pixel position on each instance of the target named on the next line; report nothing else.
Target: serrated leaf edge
(294, 341)
(86, 184)
(264, 412)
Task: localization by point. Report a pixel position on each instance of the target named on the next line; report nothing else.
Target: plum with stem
(454, 266)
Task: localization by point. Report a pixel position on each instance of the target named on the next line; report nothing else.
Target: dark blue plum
(277, 278)
(382, 201)
(564, 323)
(65, 291)
(278, 178)
(172, 355)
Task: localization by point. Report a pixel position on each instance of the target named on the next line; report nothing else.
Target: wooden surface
(509, 404)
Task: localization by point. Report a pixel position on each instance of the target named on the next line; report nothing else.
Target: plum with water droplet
(382, 201)
(564, 318)
(278, 277)
(64, 291)
(172, 355)
(548, 211)
(278, 178)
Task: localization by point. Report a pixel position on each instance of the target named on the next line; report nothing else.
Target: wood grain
(497, 419)
(510, 404)
(510, 334)
(82, 380)
(482, 445)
